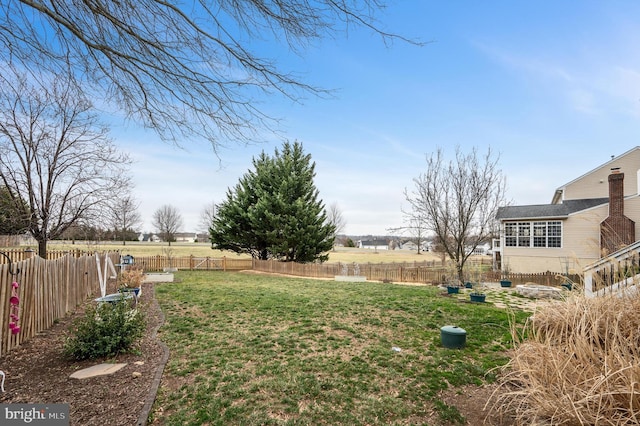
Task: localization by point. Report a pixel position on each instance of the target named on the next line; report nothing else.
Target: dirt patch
(38, 372)
(471, 402)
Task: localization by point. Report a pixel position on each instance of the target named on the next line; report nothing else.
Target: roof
(374, 242)
(556, 211)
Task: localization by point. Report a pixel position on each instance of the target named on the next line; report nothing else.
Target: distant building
(146, 237)
(409, 245)
(186, 237)
(373, 244)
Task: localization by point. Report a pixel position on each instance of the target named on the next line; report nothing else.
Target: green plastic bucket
(453, 337)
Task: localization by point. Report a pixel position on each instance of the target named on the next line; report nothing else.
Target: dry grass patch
(578, 363)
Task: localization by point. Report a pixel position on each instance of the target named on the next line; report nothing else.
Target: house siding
(595, 183)
(583, 207)
(577, 250)
(632, 211)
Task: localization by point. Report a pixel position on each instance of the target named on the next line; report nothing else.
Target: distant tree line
(94, 233)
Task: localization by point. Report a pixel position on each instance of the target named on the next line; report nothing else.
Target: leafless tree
(54, 154)
(181, 68)
(207, 215)
(415, 228)
(124, 215)
(167, 221)
(335, 218)
(457, 201)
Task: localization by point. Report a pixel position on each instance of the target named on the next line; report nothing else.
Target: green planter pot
(477, 297)
(453, 337)
(453, 289)
(468, 285)
(505, 283)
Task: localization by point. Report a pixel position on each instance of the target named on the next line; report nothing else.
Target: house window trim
(519, 231)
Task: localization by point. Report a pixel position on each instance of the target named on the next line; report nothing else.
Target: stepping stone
(97, 370)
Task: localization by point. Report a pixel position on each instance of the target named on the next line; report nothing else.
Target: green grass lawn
(262, 350)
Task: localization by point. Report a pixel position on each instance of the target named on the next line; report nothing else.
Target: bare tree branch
(335, 218)
(124, 215)
(182, 68)
(458, 201)
(207, 216)
(167, 221)
(54, 154)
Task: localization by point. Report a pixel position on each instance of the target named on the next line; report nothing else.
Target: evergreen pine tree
(274, 211)
(14, 213)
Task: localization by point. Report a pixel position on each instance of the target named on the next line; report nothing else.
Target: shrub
(105, 330)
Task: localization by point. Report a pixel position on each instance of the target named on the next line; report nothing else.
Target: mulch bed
(38, 372)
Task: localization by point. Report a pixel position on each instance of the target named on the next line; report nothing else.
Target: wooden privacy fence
(48, 290)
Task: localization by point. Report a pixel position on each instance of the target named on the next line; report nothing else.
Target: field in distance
(179, 249)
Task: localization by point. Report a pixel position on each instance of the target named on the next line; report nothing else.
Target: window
(539, 234)
(510, 234)
(555, 234)
(533, 234)
(524, 234)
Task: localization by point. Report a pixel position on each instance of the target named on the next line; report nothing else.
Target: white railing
(617, 273)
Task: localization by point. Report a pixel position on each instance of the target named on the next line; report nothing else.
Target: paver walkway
(503, 297)
(97, 370)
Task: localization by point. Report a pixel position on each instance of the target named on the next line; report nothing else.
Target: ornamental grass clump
(105, 330)
(577, 362)
(132, 277)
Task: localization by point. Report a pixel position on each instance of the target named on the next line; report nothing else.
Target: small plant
(169, 253)
(451, 276)
(132, 277)
(105, 330)
(474, 274)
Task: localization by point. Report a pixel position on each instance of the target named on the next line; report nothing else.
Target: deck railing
(617, 272)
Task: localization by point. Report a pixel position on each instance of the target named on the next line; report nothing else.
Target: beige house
(592, 215)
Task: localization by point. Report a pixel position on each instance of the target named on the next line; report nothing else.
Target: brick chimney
(617, 230)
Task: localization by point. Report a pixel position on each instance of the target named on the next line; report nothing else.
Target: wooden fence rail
(192, 263)
(18, 255)
(148, 263)
(48, 290)
(543, 278)
(418, 272)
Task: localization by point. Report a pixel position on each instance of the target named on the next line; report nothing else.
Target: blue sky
(554, 87)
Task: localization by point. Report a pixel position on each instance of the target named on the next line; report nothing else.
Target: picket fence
(409, 272)
(148, 263)
(398, 272)
(543, 278)
(192, 263)
(48, 290)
